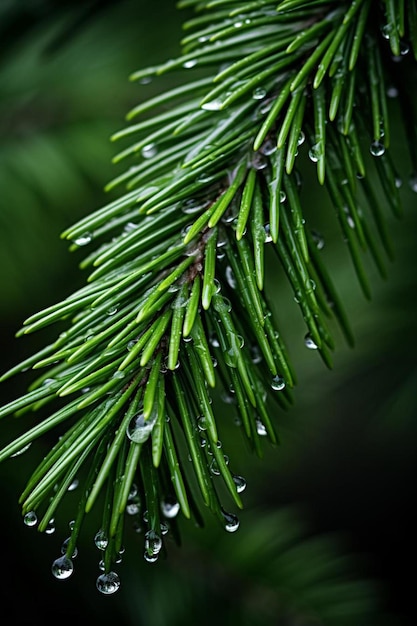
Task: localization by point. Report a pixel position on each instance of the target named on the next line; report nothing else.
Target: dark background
(346, 467)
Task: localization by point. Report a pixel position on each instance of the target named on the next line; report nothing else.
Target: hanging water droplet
(318, 239)
(309, 342)
(189, 64)
(259, 93)
(170, 507)
(153, 543)
(240, 483)
(232, 522)
(64, 548)
(268, 236)
(62, 568)
(256, 354)
(230, 277)
(404, 48)
(73, 486)
(377, 148)
(301, 139)
(398, 182)
(149, 151)
(139, 429)
(101, 540)
(202, 422)
(386, 30)
(278, 383)
(412, 181)
(30, 519)
(133, 505)
(83, 240)
(316, 152)
(213, 341)
(392, 91)
(259, 162)
(214, 468)
(108, 583)
(268, 147)
(261, 428)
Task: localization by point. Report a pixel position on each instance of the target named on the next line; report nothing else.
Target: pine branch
(175, 309)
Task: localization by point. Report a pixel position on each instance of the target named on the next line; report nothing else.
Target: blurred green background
(341, 483)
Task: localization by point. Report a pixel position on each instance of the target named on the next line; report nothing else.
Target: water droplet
(101, 540)
(65, 546)
(301, 139)
(278, 383)
(377, 148)
(170, 507)
(316, 152)
(108, 583)
(153, 543)
(112, 310)
(412, 181)
(189, 64)
(386, 30)
(230, 277)
(259, 162)
(145, 80)
(131, 344)
(318, 239)
(404, 48)
(118, 374)
(73, 486)
(204, 177)
(268, 147)
(240, 483)
(214, 468)
(149, 151)
(232, 522)
(83, 240)
(212, 105)
(392, 92)
(139, 429)
(259, 93)
(256, 354)
(202, 422)
(191, 206)
(133, 505)
(309, 342)
(398, 182)
(30, 519)
(261, 428)
(62, 568)
(268, 236)
(238, 24)
(213, 341)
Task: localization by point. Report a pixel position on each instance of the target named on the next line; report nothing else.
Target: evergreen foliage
(176, 313)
